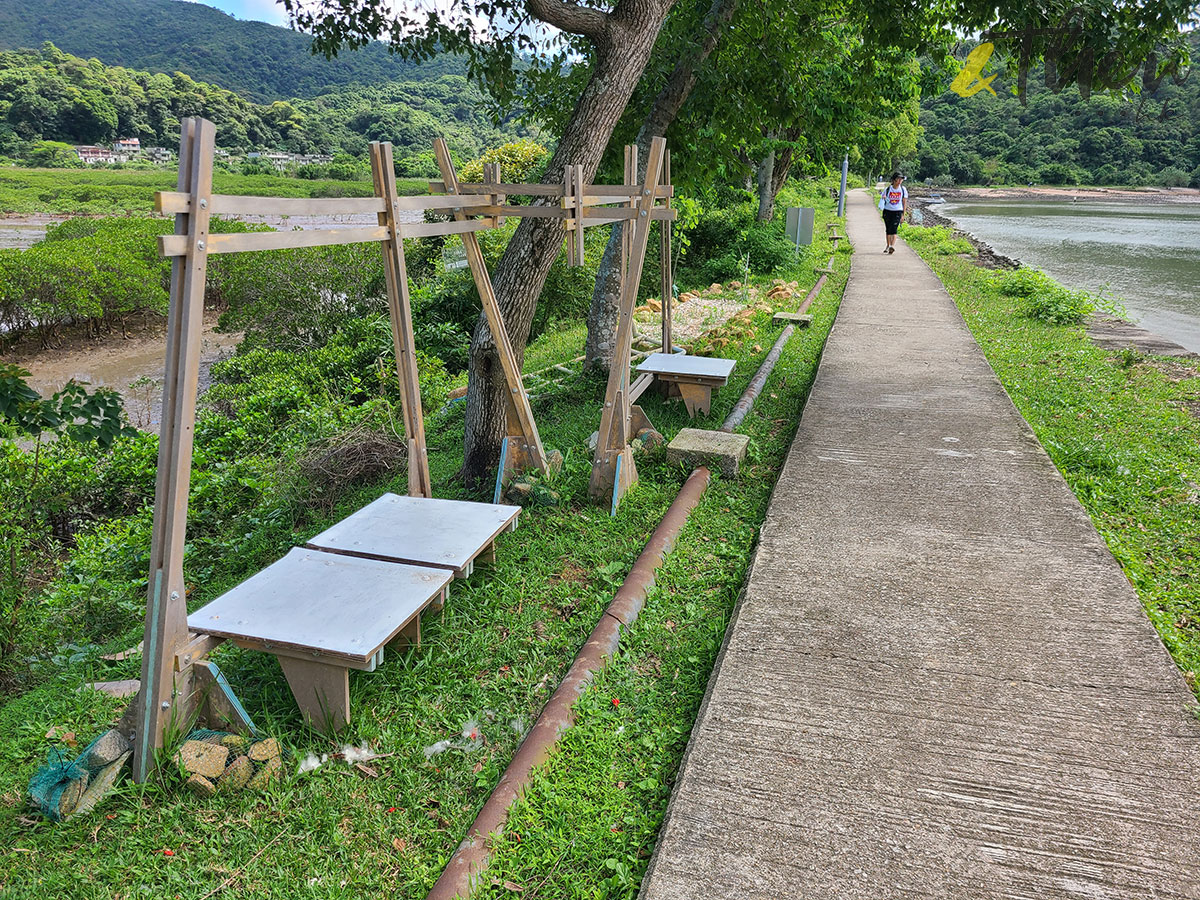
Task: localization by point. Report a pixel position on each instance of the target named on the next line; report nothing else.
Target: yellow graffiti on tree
(967, 82)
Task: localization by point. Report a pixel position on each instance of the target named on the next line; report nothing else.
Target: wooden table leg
(322, 691)
(696, 397)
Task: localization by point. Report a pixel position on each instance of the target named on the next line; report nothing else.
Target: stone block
(237, 774)
(716, 449)
(269, 771)
(264, 750)
(199, 758)
(107, 749)
(200, 785)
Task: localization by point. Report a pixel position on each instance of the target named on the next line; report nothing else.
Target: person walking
(894, 204)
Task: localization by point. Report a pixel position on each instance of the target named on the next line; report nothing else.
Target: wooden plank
(166, 607)
(176, 245)
(176, 202)
(400, 316)
(435, 229)
(322, 692)
(443, 534)
(578, 183)
(495, 320)
(620, 192)
(667, 278)
(326, 603)
(639, 386)
(686, 364)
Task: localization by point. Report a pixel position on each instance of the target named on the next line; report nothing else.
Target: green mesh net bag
(63, 788)
(213, 761)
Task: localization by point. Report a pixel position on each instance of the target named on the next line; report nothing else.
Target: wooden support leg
(696, 397)
(218, 706)
(639, 421)
(322, 692)
(409, 636)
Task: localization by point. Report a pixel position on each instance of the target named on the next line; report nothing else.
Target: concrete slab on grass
(716, 449)
(801, 319)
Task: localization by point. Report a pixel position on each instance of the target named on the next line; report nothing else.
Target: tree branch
(572, 17)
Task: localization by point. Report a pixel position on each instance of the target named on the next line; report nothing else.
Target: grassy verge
(1121, 427)
(490, 662)
(111, 191)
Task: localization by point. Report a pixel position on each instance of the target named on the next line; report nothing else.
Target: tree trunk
(606, 298)
(772, 173)
(766, 197)
(621, 56)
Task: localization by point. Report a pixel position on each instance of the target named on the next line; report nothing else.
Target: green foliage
(519, 162)
(263, 62)
(1059, 138)
(1045, 299)
(32, 500)
(725, 234)
(941, 240)
(53, 155)
(96, 273)
(48, 97)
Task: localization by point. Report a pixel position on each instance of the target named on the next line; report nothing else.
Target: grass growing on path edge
(1122, 429)
(589, 825)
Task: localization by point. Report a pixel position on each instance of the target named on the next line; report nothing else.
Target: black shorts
(891, 219)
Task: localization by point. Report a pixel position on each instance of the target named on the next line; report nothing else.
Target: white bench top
(681, 364)
(445, 534)
(323, 603)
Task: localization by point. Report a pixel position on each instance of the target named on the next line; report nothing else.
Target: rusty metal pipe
(754, 388)
(462, 874)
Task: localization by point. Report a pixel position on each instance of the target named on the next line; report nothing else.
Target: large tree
(611, 44)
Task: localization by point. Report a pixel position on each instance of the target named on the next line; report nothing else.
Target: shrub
(519, 161)
(1172, 177)
(1045, 299)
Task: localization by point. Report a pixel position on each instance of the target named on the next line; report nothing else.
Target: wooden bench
(689, 377)
(444, 534)
(321, 615)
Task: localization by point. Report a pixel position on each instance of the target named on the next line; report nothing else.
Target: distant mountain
(259, 61)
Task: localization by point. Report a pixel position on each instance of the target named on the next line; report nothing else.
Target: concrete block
(716, 449)
(801, 319)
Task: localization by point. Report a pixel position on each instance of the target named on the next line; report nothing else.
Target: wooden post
(166, 607)
(664, 253)
(400, 313)
(613, 470)
(524, 443)
(579, 210)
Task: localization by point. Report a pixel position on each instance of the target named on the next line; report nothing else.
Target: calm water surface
(1145, 254)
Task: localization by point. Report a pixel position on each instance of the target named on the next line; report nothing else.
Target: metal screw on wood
(166, 704)
(203, 203)
(175, 594)
(199, 245)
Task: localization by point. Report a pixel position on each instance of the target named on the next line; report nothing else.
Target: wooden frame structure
(178, 685)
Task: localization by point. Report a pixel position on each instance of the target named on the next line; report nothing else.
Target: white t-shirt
(894, 197)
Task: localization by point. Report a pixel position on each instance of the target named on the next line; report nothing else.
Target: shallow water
(1145, 254)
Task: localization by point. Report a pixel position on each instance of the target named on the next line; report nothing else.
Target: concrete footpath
(939, 684)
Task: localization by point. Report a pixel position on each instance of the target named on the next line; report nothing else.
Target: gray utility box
(800, 225)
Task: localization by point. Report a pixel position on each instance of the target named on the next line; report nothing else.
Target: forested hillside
(51, 95)
(1152, 138)
(262, 62)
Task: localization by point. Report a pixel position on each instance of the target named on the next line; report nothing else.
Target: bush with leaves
(520, 162)
(28, 543)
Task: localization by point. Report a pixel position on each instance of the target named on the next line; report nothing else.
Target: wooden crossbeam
(524, 430)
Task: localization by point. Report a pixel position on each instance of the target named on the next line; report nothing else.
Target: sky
(252, 10)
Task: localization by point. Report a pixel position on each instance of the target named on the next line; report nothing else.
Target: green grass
(507, 636)
(1117, 426)
(111, 191)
